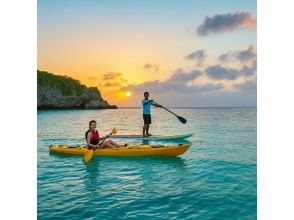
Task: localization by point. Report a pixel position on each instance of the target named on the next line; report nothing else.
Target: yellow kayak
(131, 150)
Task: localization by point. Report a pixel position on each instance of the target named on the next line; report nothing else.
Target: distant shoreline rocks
(62, 92)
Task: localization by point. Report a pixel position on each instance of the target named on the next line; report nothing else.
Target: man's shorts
(147, 118)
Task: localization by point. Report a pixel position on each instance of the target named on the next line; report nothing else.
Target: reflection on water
(92, 175)
(214, 179)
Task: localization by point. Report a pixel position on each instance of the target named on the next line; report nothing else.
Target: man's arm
(155, 104)
(147, 102)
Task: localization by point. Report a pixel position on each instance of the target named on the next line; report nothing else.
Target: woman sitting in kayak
(93, 138)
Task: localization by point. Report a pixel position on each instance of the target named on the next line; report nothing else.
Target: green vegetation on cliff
(67, 85)
(56, 91)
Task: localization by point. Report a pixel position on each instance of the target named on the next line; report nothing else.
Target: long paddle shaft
(181, 119)
(105, 138)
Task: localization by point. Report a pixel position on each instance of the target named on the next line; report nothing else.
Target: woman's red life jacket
(95, 137)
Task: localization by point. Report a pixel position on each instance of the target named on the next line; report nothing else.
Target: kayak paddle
(90, 152)
(181, 119)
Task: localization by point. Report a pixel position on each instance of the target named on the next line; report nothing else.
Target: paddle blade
(88, 155)
(114, 131)
(181, 119)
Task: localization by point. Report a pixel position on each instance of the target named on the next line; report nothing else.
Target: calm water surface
(214, 179)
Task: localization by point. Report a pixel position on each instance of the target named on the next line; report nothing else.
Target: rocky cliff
(61, 92)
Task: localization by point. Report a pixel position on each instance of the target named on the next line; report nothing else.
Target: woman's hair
(91, 123)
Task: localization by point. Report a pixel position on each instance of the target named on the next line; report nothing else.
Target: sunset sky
(185, 53)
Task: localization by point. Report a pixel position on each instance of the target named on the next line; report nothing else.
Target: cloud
(111, 84)
(211, 99)
(247, 86)
(219, 72)
(182, 89)
(113, 79)
(149, 66)
(209, 87)
(246, 54)
(226, 22)
(184, 77)
(178, 82)
(249, 70)
(243, 55)
(112, 76)
(224, 57)
(92, 78)
(198, 55)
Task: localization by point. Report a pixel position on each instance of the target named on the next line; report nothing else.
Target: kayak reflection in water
(93, 138)
(146, 104)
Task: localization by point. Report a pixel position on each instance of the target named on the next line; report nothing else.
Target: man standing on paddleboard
(146, 104)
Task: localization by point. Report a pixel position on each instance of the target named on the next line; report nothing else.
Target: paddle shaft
(106, 138)
(166, 109)
(102, 141)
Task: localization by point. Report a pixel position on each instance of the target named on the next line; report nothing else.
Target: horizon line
(136, 107)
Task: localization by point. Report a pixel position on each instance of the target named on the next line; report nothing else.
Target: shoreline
(77, 108)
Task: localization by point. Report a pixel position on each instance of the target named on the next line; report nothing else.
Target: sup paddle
(90, 152)
(181, 119)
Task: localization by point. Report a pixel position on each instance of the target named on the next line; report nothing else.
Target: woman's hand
(93, 147)
(90, 147)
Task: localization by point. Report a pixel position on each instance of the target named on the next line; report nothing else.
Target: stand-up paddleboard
(154, 137)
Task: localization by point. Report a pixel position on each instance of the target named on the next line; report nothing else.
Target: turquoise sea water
(214, 179)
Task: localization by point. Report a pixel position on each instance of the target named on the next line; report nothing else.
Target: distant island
(62, 92)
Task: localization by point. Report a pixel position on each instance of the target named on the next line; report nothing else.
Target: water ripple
(215, 179)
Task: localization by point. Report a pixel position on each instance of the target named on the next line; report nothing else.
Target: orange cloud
(149, 66)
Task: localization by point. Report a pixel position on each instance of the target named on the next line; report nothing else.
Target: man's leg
(148, 125)
(147, 129)
(144, 129)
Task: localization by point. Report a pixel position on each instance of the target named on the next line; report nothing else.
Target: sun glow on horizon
(128, 94)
